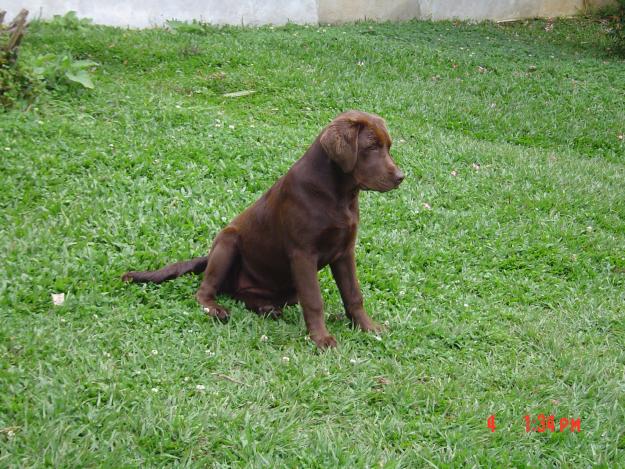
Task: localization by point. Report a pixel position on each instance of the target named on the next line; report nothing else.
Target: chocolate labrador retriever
(269, 255)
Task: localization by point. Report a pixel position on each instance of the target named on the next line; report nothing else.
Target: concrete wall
(339, 11)
(138, 13)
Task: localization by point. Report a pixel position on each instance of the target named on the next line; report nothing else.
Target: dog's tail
(170, 272)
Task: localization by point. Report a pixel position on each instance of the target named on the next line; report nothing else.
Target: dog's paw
(325, 342)
(128, 277)
(371, 326)
(218, 312)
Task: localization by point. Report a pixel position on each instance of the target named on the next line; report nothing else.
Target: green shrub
(23, 80)
(194, 27)
(70, 21)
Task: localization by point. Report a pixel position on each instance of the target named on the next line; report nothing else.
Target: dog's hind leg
(221, 260)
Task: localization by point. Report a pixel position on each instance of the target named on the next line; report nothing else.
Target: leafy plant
(62, 70)
(70, 21)
(17, 82)
(617, 30)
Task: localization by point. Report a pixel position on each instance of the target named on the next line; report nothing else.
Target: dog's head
(359, 144)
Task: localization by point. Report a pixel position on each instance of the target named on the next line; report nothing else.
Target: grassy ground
(499, 265)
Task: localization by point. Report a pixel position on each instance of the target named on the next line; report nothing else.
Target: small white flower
(58, 299)
(386, 323)
(476, 166)
(106, 354)
(353, 361)
(95, 316)
(154, 352)
(63, 320)
(454, 173)
(466, 305)
(264, 338)
(210, 353)
(10, 434)
(589, 228)
(286, 359)
(200, 387)
(154, 390)
(231, 126)
(378, 338)
(427, 206)
(186, 379)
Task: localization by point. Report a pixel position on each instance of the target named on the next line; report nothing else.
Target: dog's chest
(337, 235)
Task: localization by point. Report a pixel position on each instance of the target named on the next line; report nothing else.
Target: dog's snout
(399, 176)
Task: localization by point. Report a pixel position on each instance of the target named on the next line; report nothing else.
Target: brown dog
(269, 255)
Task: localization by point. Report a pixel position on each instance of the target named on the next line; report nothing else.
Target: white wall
(138, 13)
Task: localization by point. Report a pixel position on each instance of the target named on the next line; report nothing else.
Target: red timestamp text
(544, 423)
(548, 423)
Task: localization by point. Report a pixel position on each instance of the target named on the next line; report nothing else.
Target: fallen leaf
(237, 94)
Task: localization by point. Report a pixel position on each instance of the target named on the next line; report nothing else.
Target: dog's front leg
(344, 273)
(304, 271)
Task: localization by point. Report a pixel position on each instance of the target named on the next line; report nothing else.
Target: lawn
(498, 266)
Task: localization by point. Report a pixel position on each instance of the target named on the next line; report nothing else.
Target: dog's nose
(399, 177)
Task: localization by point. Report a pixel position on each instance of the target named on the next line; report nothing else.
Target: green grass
(506, 297)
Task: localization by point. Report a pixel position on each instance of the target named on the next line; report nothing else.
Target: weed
(59, 70)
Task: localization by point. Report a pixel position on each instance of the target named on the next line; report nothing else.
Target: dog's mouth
(380, 186)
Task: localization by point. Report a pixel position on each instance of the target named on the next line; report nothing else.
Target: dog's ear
(340, 142)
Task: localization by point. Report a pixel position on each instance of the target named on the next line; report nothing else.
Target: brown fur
(269, 255)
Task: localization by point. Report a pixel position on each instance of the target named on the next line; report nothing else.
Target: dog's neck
(325, 176)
